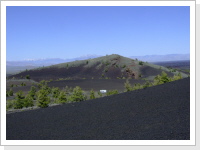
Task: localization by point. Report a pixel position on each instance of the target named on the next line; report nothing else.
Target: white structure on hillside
(103, 91)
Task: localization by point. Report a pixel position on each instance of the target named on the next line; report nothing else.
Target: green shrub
(55, 92)
(177, 77)
(32, 92)
(9, 93)
(141, 62)
(160, 79)
(112, 92)
(147, 84)
(77, 95)
(92, 96)
(28, 101)
(9, 104)
(19, 102)
(42, 99)
(137, 86)
(100, 94)
(23, 84)
(127, 86)
(42, 84)
(27, 76)
(62, 98)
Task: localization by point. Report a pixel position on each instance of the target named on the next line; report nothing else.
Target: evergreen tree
(10, 92)
(32, 92)
(164, 77)
(100, 94)
(77, 95)
(112, 92)
(92, 96)
(28, 101)
(62, 98)
(177, 77)
(127, 86)
(55, 92)
(19, 102)
(27, 76)
(42, 99)
(137, 86)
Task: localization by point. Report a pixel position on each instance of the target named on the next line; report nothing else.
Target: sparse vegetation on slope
(110, 67)
(45, 94)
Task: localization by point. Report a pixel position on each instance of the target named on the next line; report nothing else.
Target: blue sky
(73, 31)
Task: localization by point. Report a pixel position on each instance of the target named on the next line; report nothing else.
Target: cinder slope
(157, 113)
(111, 66)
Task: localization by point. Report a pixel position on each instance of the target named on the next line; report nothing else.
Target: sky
(35, 32)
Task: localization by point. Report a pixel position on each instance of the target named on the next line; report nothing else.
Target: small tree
(141, 62)
(100, 94)
(27, 76)
(137, 86)
(32, 92)
(28, 101)
(77, 95)
(23, 84)
(92, 96)
(19, 102)
(127, 86)
(164, 77)
(10, 92)
(42, 84)
(9, 104)
(147, 84)
(62, 98)
(112, 92)
(55, 92)
(7, 95)
(42, 99)
(177, 77)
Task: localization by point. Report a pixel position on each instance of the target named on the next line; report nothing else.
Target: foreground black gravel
(156, 113)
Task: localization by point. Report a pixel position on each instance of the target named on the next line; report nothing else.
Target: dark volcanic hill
(110, 66)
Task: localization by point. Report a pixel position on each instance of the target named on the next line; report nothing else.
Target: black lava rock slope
(157, 113)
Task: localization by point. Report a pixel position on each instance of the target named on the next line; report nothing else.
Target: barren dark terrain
(95, 84)
(156, 113)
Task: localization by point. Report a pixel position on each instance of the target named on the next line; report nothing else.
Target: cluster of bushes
(159, 79)
(42, 95)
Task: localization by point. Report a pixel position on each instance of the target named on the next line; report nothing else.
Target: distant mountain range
(52, 61)
(160, 58)
(47, 61)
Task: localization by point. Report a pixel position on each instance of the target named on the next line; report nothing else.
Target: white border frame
(98, 3)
